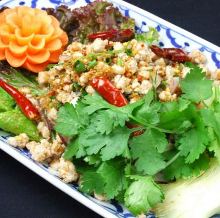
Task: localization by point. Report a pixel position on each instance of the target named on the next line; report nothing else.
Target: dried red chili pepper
(111, 94)
(173, 54)
(114, 35)
(114, 96)
(26, 106)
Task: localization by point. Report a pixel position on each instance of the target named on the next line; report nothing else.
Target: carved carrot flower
(30, 38)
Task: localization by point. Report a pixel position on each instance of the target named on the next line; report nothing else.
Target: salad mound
(120, 116)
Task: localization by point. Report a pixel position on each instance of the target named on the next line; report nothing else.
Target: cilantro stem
(204, 104)
(217, 94)
(138, 129)
(173, 159)
(150, 126)
(169, 162)
(160, 129)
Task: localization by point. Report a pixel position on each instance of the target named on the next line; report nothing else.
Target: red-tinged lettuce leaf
(97, 16)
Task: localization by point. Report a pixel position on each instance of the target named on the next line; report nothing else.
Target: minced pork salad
(110, 110)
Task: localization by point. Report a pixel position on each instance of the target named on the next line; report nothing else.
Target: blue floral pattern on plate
(171, 36)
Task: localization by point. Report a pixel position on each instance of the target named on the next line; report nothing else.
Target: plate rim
(179, 30)
(49, 177)
(66, 188)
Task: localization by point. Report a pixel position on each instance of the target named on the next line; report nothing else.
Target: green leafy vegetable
(105, 121)
(193, 143)
(101, 7)
(91, 182)
(109, 146)
(179, 169)
(149, 37)
(98, 16)
(147, 149)
(148, 112)
(142, 195)
(175, 139)
(196, 86)
(70, 119)
(74, 149)
(108, 179)
(95, 102)
(114, 178)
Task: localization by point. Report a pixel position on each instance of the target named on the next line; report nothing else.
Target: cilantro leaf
(105, 121)
(146, 150)
(93, 160)
(91, 182)
(142, 195)
(195, 86)
(70, 119)
(183, 104)
(171, 117)
(94, 103)
(178, 116)
(108, 179)
(105, 117)
(214, 145)
(102, 122)
(148, 111)
(179, 169)
(109, 146)
(74, 148)
(193, 143)
(113, 176)
(211, 119)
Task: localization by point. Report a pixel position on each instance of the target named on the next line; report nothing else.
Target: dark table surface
(24, 194)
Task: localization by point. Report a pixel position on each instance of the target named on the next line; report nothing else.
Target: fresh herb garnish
(196, 86)
(92, 64)
(79, 66)
(177, 140)
(108, 60)
(120, 62)
(150, 37)
(92, 56)
(128, 52)
(142, 194)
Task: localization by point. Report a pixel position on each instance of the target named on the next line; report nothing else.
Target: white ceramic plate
(171, 36)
